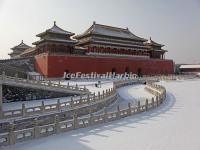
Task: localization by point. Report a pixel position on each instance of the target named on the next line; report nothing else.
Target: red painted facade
(55, 65)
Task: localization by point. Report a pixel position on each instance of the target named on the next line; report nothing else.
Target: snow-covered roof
(190, 66)
(106, 30)
(21, 46)
(57, 30)
(29, 50)
(56, 40)
(151, 42)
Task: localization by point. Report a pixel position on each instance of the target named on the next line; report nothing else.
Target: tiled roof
(110, 31)
(22, 45)
(190, 66)
(57, 30)
(151, 42)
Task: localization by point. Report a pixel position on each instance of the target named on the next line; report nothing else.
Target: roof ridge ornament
(54, 23)
(94, 22)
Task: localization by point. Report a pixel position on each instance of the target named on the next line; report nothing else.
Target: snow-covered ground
(130, 94)
(133, 93)
(172, 126)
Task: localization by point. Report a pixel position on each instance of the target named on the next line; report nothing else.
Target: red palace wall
(41, 65)
(55, 66)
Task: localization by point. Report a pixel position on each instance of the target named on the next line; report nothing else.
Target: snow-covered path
(130, 94)
(173, 126)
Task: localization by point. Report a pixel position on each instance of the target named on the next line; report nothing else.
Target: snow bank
(133, 93)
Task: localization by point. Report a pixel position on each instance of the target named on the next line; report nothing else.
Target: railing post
(99, 96)
(138, 106)
(67, 84)
(75, 121)
(152, 102)
(105, 114)
(129, 108)
(146, 105)
(88, 99)
(118, 112)
(27, 77)
(81, 100)
(59, 83)
(1, 100)
(57, 126)
(3, 75)
(85, 89)
(58, 104)
(42, 107)
(12, 139)
(91, 118)
(103, 94)
(36, 128)
(49, 83)
(23, 110)
(76, 86)
(106, 92)
(94, 97)
(16, 77)
(157, 102)
(72, 103)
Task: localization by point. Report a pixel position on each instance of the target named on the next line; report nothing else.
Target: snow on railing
(88, 101)
(43, 84)
(14, 136)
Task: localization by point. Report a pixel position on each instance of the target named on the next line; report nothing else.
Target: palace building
(19, 49)
(100, 49)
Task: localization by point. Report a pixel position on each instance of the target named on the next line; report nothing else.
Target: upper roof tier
(21, 46)
(153, 43)
(56, 30)
(105, 30)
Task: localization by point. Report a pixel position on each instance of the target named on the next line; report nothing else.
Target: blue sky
(175, 23)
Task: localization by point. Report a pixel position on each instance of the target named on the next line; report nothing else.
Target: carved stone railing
(14, 136)
(49, 86)
(88, 100)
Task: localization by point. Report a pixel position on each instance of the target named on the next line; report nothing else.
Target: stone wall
(55, 66)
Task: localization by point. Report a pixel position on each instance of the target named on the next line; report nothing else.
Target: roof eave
(43, 33)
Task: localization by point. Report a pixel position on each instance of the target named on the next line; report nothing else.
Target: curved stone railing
(59, 126)
(42, 85)
(89, 100)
